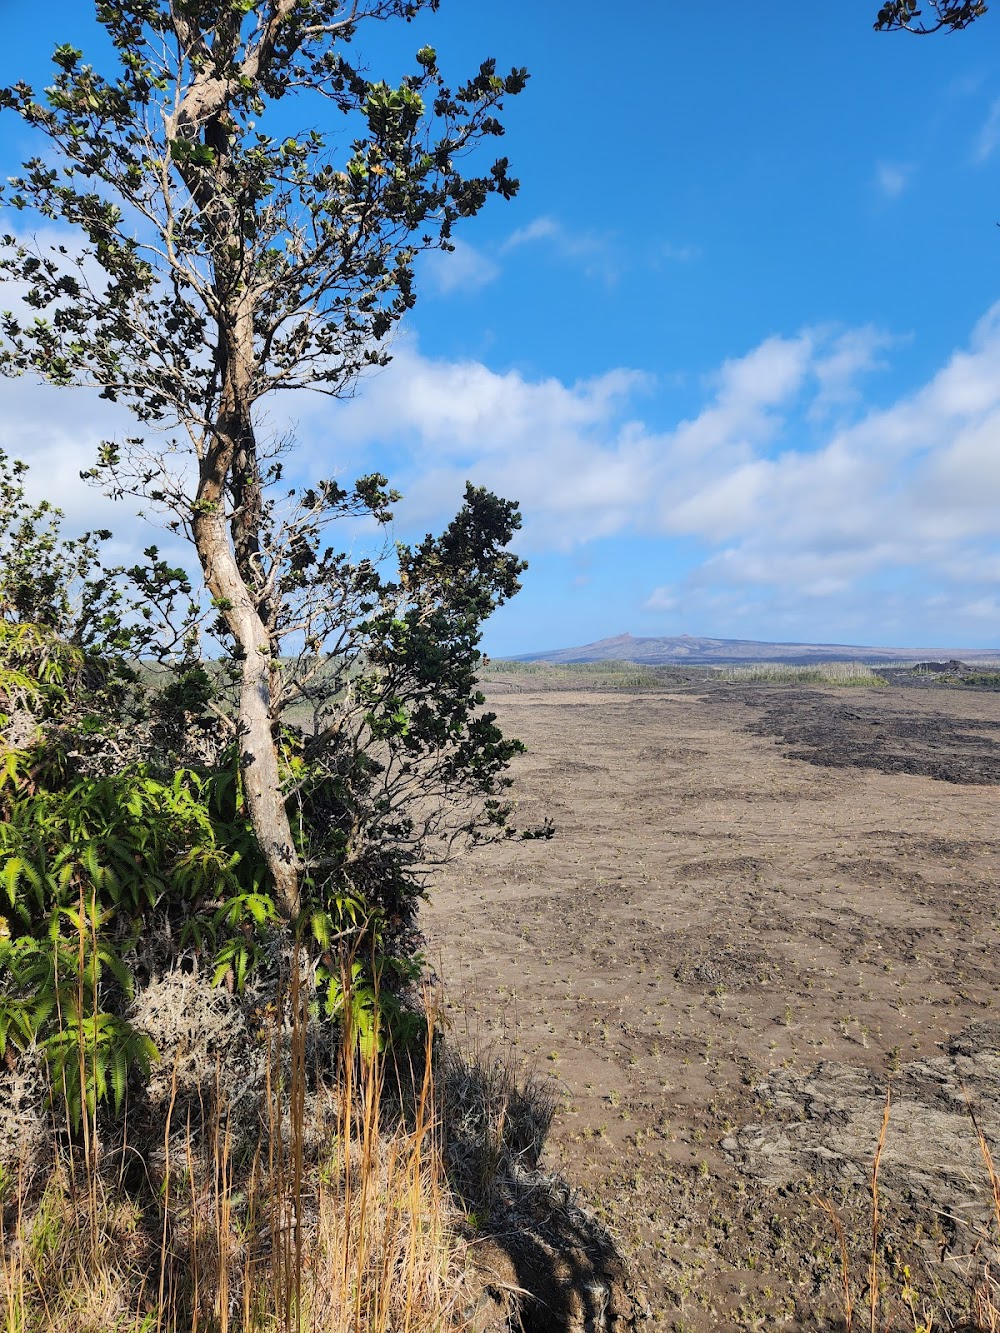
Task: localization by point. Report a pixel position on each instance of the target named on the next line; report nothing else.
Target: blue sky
(735, 346)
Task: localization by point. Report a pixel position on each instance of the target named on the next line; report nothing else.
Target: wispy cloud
(541, 229)
(661, 599)
(893, 178)
(463, 270)
(849, 355)
(595, 252)
(989, 135)
(679, 254)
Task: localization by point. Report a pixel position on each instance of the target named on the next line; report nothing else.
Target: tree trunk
(230, 476)
(259, 763)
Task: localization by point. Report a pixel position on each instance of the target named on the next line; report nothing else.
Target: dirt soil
(761, 905)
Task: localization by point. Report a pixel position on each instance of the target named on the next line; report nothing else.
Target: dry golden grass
(338, 1215)
(346, 1229)
(896, 1304)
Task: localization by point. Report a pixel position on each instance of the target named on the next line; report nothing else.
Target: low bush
(126, 843)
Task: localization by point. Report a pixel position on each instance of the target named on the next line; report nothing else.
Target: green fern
(83, 860)
(89, 1058)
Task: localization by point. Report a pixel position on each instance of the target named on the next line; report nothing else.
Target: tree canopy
(945, 14)
(222, 261)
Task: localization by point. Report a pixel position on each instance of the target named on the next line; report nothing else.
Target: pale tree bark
(227, 550)
(231, 581)
(259, 759)
(229, 473)
(240, 265)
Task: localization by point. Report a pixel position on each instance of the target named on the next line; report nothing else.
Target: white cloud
(541, 229)
(774, 493)
(464, 269)
(680, 254)
(57, 432)
(893, 178)
(989, 135)
(775, 500)
(661, 599)
(720, 506)
(597, 254)
(852, 353)
(985, 608)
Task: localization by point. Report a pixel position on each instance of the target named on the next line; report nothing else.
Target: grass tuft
(892, 1296)
(340, 1217)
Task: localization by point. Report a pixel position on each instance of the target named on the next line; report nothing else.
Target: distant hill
(688, 648)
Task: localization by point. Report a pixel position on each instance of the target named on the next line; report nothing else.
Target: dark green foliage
(402, 761)
(96, 844)
(115, 862)
(946, 14)
(327, 250)
(282, 754)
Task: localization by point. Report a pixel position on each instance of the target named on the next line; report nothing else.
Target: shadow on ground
(543, 1264)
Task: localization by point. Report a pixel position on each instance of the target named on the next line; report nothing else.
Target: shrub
(126, 846)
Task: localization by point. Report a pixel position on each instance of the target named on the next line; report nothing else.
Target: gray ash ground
(762, 903)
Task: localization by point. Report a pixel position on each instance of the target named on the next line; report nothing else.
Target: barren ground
(761, 902)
